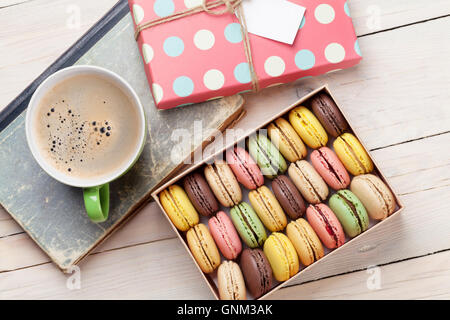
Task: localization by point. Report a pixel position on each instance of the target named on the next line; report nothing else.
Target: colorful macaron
(248, 225)
(282, 256)
(245, 168)
(269, 159)
(326, 225)
(284, 137)
(350, 212)
(375, 195)
(223, 183)
(203, 248)
(268, 208)
(352, 154)
(289, 197)
(308, 181)
(308, 127)
(257, 272)
(231, 282)
(328, 114)
(330, 168)
(225, 235)
(305, 241)
(178, 207)
(200, 194)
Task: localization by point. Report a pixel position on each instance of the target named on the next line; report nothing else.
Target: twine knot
(231, 7)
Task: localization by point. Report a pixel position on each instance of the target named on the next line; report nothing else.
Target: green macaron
(248, 225)
(350, 212)
(267, 156)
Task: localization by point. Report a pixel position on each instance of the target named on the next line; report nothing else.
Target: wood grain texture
(154, 270)
(402, 71)
(394, 95)
(374, 16)
(27, 49)
(422, 278)
(150, 225)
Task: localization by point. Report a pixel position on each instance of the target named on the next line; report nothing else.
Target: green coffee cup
(95, 189)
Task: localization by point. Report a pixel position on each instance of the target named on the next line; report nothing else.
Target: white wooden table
(398, 100)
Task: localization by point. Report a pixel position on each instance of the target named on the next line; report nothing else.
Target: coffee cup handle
(96, 201)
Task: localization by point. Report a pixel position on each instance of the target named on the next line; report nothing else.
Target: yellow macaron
(308, 127)
(268, 208)
(178, 207)
(305, 241)
(282, 256)
(352, 154)
(285, 138)
(203, 248)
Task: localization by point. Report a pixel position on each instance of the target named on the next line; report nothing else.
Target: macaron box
(260, 211)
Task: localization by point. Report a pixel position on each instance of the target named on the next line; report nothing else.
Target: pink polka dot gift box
(195, 51)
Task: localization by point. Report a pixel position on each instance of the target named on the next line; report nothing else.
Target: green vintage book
(52, 213)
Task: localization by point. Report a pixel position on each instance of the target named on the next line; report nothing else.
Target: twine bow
(231, 7)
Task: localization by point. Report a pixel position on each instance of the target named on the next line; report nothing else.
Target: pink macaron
(330, 168)
(225, 235)
(327, 226)
(244, 168)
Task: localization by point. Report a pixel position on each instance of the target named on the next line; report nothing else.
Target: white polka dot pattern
(202, 57)
(274, 66)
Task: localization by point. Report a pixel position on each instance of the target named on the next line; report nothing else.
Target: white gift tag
(274, 19)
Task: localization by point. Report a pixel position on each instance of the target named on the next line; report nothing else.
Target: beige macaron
(305, 241)
(375, 195)
(285, 138)
(223, 183)
(308, 181)
(231, 282)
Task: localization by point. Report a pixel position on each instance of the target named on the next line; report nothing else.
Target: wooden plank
(422, 278)
(8, 3)
(32, 46)
(147, 226)
(384, 116)
(150, 225)
(375, 16)
(388, 96)
(359, 89)
(154, 271)
(410, 70)
(35, 33)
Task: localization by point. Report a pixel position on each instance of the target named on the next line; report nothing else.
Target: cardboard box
(202, 57)
(211, 280)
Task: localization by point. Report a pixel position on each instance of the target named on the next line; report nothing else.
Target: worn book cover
(52, 213)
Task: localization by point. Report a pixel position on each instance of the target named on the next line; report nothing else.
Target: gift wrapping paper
(201, 57)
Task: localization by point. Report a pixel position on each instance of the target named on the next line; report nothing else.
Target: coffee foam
(87, 127)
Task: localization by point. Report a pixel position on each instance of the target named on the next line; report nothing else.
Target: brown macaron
(328, 114)
(289, 197)
(200, 194)
(257, 272)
